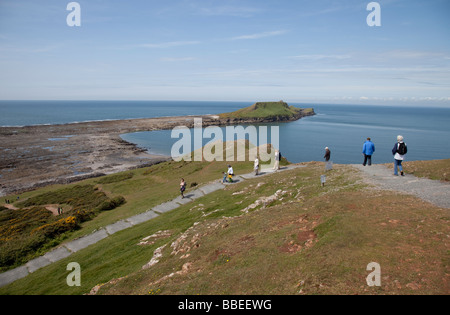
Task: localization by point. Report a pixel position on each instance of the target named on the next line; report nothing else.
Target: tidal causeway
(37, 156)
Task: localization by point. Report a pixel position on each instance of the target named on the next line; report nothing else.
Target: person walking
(399, 150)
(256, 166)
(327, 155)
(276, 165)
(230, 170)
(182, 187)
(368, 150)
(225, 176)
(230, 174)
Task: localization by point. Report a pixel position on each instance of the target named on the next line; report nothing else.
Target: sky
(306, 51)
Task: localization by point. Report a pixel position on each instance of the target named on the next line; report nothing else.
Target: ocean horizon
(342, 128)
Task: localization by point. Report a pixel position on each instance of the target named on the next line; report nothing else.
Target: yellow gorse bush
(62, 225)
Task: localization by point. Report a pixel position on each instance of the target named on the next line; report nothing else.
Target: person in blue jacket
(368, 150)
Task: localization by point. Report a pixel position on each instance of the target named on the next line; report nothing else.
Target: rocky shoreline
(37, 156)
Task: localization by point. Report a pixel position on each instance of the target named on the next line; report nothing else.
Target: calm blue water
(26, 113)
(343, 128)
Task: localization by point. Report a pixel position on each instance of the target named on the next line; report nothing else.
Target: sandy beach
(36, 156)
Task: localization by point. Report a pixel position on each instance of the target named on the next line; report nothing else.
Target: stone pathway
(76, 245)
(433, 191)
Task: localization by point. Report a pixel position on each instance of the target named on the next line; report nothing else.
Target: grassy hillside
(31, 229)
(268, 111)
(279, 234)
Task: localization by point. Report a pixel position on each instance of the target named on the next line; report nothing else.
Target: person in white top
(230, 170)
(256, 166)
(399, 151)
(276, 165)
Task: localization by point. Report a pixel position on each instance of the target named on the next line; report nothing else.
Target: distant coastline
(35, 156)
(41, 155)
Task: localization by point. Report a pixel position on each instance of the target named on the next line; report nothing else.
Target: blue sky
(300, 51)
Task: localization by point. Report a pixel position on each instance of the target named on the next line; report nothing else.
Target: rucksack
(402, 149)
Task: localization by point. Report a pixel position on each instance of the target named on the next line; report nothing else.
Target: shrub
(115, 178)
(54, 229)
(14, 252)
(76, 196)
(112, 204)
(25, 231)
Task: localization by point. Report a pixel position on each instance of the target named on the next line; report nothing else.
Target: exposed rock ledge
(36, 156)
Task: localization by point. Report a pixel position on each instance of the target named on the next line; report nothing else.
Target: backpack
(402, 149)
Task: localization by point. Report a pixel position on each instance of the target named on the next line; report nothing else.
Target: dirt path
(9, 206)
(433, 191)
(53, 209)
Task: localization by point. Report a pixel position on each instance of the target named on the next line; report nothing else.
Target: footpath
(380, 176)
(76, 245)
(433, 191)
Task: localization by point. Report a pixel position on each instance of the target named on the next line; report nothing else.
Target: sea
(342, 128)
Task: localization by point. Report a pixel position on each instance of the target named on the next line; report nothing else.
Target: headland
(37, 156)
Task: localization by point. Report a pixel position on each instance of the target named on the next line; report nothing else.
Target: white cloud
(170, 59)
(321, 57)
(259, 35)
(228, 11)
(413, 54)
(169, 44)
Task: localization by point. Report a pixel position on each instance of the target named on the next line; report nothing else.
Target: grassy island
(268, 112)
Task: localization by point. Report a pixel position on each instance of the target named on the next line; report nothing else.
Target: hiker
(399, 151)
(256, 166)
(368, 150)
(230, 174)
(225, 175)
(230, 170)
(327, 155)
(182, 187)
(276, 166)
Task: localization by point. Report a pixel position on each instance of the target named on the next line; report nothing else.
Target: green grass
(310, 240)
(94, 203)
(267, 110)
(434, 169)
(32, 229)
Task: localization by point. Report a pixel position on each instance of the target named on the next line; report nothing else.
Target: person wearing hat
(368, 150)
(399, 151)
(327, 155)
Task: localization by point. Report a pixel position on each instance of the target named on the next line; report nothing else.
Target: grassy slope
(311, 240)
(266, 110)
